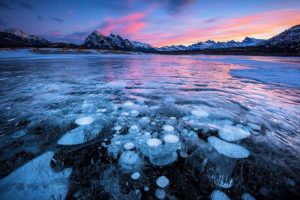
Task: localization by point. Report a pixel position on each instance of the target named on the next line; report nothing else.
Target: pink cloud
(125, 26)
(260, 25)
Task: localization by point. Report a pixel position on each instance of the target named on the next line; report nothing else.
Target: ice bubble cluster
(218, 195)
(233, 133)
(162, 181)
(84, 120)
(228, 149)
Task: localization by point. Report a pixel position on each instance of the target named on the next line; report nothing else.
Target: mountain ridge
(288, 39)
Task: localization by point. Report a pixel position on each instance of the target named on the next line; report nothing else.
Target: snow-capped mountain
(288, 38)
(114, 42)
(172, 48)
(17, 38)
(210, 44)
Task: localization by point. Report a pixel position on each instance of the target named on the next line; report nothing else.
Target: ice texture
(75, 136)
(36, 180)
(130, 160)
(228, 149)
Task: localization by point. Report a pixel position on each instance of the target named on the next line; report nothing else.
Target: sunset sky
(157, 22)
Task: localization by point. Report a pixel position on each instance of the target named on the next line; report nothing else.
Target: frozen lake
(136, 126)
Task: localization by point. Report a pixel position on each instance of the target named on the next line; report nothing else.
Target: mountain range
(287, 41)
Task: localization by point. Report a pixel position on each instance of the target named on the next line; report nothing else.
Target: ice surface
(218, 195)
(233, 133)
(36, 180)
(162, 181)
(228, 149)
(84, 120)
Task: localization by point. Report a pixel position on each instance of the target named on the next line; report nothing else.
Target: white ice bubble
(160, 193)
(84, 120)
(129, 146)
(200, 113)
(125, 113)
(128, 104)
(36, 180)
(228, 149)
(218, 195)
(171, 138)
(146, 188)
(162, 181)
(135, 175)
(168, 128)
(73, 137)
(222, 181)
(145, 120)
(153, 142)
(233, 133)
(247, 196)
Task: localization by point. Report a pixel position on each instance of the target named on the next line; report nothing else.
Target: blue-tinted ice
(129, 126)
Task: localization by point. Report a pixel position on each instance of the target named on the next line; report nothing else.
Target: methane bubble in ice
(117, 128)
(160, 193)
(218, 195)
(199, 113)
(168, 128)
(134, 129)
(129, 146)
(233, 133)
(247, 196)
(135, 175)
(73, 137)
(84, 120)
(36, 180)
(228, 149)
(130, 160)
(162, 181)
(153, 142)
(171, 138)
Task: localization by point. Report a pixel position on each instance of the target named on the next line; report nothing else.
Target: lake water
(109, 125)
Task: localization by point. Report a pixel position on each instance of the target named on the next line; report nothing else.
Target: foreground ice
(228, 149)
(36, 180)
